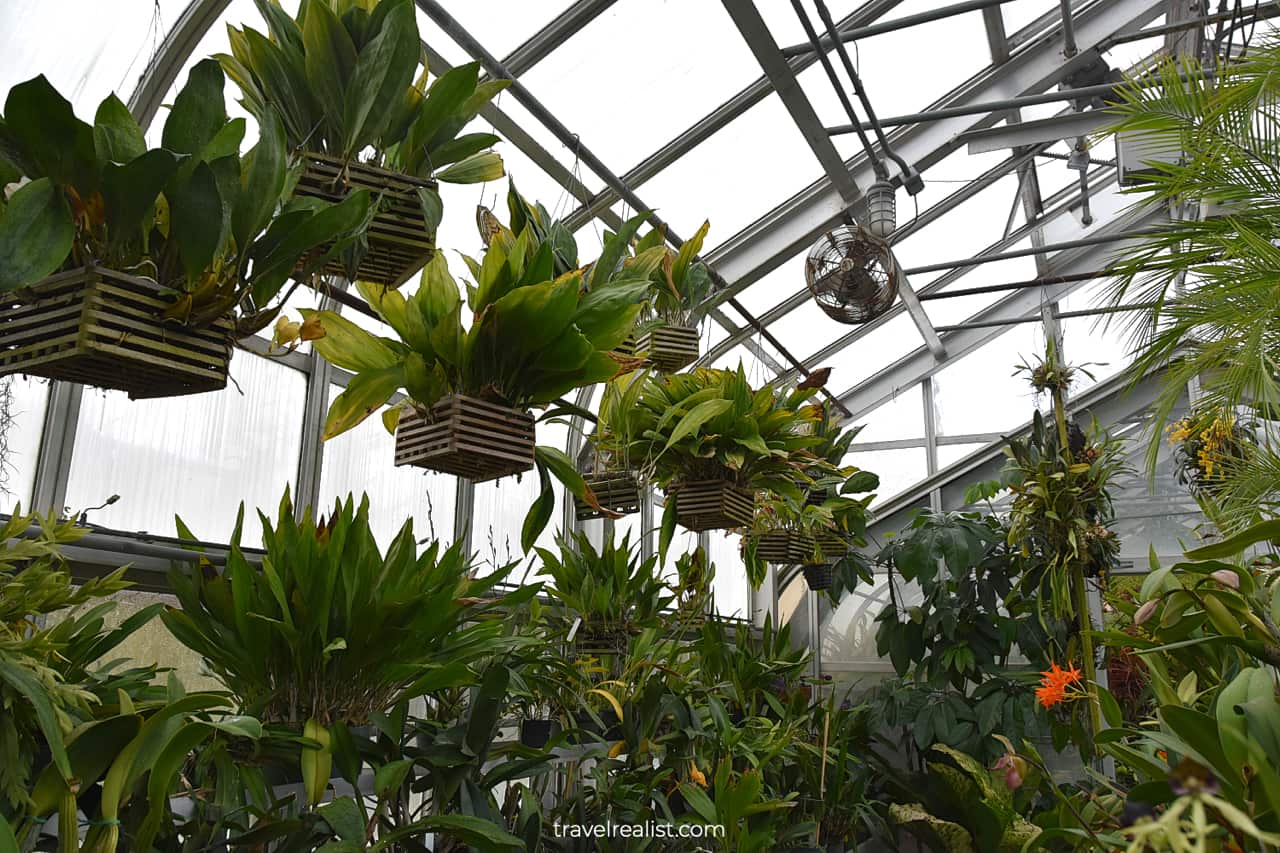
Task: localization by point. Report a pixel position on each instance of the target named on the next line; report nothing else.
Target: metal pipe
(468, 43)
(1069, 48)
(896, 24)
(1261, 14)
(1043, 281)
(1002, 105)
(876, 163)
(1034, 250)
(1061, 315)
(907, 172)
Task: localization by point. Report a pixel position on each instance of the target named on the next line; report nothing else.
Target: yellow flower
(695, 775)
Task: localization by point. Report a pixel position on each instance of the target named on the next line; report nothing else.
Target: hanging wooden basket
(783, 547)
(400, 242)
(668, 348)
(712, 505)
(819, 576)
(468, 438)
(103, 328)
(617, 491)
(627, 349)
(832, 544)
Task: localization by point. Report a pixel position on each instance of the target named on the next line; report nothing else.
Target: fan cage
(852, 276)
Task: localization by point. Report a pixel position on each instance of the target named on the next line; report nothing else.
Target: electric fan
(851, 275)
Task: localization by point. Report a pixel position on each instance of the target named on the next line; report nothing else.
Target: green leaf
(348, 346)
(262, 182)
(196, 220)
(330, 61)
(130, 192)
(668, 530)
(8, 843)
(277, 253)
(383, 70)
(199, 111)
(343, 815)
(467, 145)
(36, 232)
(540, 511)
(366, 392)
(475, 831)
(117, 138)
(476, 169)
(694, 419)
(444, 100)
(699, 801)
(389, 777)
(56, 144)
(1234, 546)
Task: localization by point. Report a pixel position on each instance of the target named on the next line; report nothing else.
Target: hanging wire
(155, 32)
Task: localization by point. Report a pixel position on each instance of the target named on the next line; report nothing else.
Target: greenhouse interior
(849, 429)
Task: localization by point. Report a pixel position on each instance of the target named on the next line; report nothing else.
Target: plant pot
(594, 642)
(610, 731)
(615, 491)
(535, 733)
(668, 348)
(399, 242)
(103, 328)
(819, 576)
(468, 438)
(784, 547)
(627, 349)
(712, 505)
(832, 545)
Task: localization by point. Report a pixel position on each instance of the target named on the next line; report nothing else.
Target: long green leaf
(199, 110)
(382, 72)
(36, 232)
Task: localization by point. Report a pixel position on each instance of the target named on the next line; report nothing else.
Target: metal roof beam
(756, 33)
(715, 121)
(915, 366)
(761, 247)
(559, 30)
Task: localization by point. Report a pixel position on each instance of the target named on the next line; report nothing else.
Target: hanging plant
(360, 111)
(134, 268)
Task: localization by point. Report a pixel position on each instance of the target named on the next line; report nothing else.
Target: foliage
(610, 590)
(534, 335)
(953, 649)
(194, 215)
(963, 806)
(680, 283)
(710, 425)
(329, 627)
(1208, 281)
(345, 76)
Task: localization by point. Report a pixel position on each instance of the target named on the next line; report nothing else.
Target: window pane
(898, 470)
(198, 456)
(361, 461)
(23, 402)
(729, 589)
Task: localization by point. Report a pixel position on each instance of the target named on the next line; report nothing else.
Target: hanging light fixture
(882, 209)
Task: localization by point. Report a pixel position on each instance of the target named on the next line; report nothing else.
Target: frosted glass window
(198, 456)
(981, 392)
(26, 402)
(501, 506)
(362, 461)
(901, 417)
(849, 631)
(898, 469)
(951, 453)
(730, 591)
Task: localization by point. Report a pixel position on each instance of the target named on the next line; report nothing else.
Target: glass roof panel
(898, 470)
(626, 104)
(736, 176)
(899, 418)
(889, 65)
(86, 53)
(875, 350)
(1007, 399)
(1021, 13)
(503, 25)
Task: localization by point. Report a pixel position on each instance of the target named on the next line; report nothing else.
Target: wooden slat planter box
(668, 348)
(617, 492)
(784, 547)
(594, 642)
(103, 328)
(819, 576)
(468, 438)
(832, 545)
(627, 348)
(399, 242)
(712, 505)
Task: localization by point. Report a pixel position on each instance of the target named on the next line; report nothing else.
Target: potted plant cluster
(533, 337)
(667, 337)
(136, 268)
(710, 441)
(359, 113)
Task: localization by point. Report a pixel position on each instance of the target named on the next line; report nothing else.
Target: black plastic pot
(612, 729)
(535, 733)
(819, 576)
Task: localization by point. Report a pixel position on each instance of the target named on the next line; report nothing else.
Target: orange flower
(696, 775)
(1054, 683)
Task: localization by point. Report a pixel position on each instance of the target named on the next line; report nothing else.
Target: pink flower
(1145, 611)
(1226, 577)
(1013, 767)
